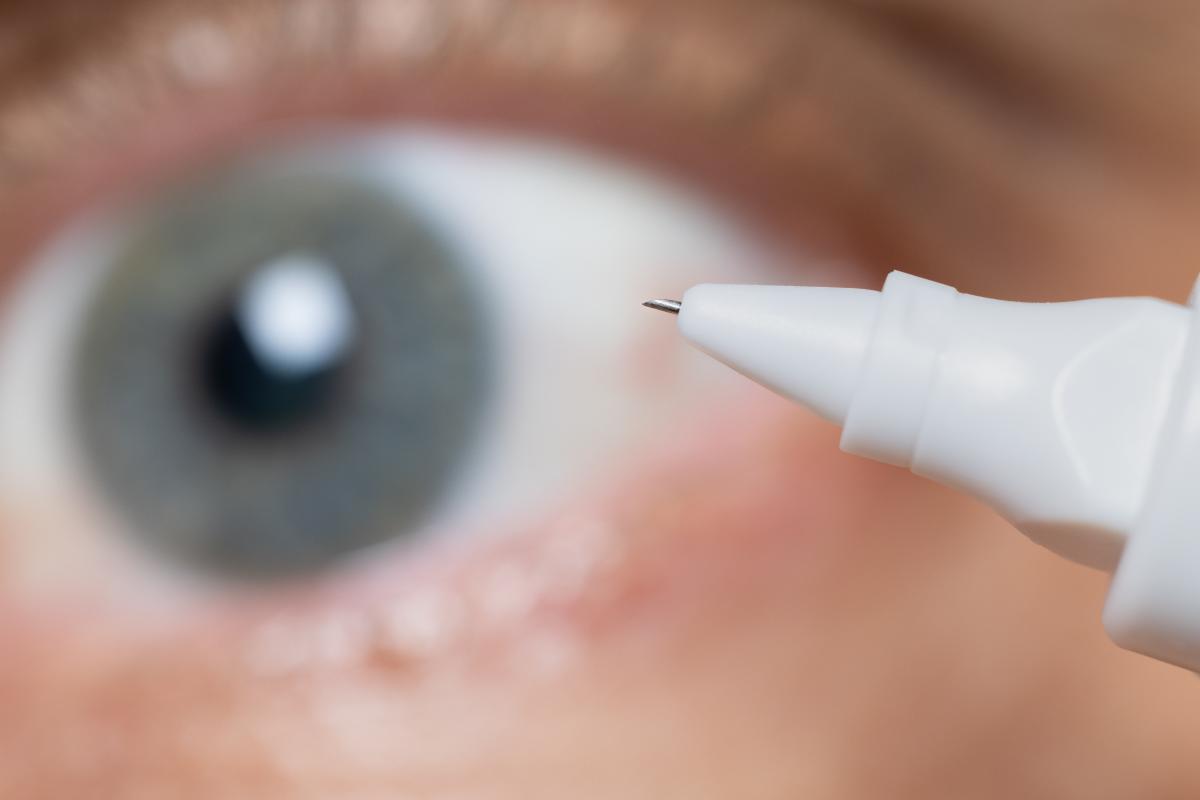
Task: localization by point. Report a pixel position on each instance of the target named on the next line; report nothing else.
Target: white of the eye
(296, 315)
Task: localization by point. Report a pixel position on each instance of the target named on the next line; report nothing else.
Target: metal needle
(669, 306)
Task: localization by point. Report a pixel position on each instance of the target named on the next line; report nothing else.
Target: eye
(306, 352)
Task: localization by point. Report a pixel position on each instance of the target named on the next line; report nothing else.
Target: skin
(742, 613)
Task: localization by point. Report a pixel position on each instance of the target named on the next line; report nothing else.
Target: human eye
(310, 349)
(269, 523)
(333, 286)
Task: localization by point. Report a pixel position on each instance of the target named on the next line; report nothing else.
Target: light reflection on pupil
(272, 360)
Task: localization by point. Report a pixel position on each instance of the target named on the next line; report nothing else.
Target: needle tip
(669, 306)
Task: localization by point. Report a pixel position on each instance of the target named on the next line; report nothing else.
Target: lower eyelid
(630, 565)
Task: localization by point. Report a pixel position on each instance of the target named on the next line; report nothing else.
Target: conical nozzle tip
(669, 306)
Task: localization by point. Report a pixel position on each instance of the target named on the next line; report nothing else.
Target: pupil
(272, 359)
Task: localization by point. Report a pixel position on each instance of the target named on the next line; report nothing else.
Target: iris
(280, 368)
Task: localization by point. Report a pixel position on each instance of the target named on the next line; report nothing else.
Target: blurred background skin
(775, 619)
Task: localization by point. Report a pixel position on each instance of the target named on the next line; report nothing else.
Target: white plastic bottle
(1079, 422)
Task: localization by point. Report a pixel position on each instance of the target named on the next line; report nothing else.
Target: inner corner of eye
(303, 354)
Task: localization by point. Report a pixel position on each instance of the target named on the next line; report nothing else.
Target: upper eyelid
(47, 122)
(805, 101)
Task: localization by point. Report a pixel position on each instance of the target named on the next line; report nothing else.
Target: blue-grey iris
(280, 369)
